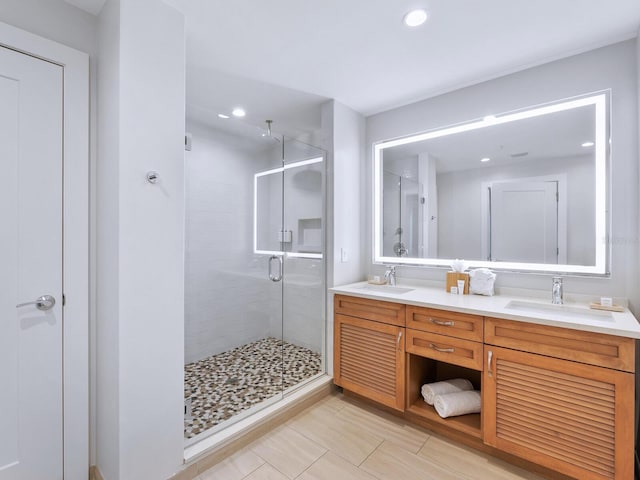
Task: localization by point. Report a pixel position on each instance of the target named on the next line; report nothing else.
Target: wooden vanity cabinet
(572, 416)
(559, 398)
(369, 355)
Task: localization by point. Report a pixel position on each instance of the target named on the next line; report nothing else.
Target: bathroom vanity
(557, 382)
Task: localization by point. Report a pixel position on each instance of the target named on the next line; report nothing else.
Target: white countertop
(577, 316)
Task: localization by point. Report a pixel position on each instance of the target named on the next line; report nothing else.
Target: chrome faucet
(390, 275)
(557, 291)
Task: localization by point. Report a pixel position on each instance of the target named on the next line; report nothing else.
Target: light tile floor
(337, 439)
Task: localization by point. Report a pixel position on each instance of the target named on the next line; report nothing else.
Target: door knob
(45, 302)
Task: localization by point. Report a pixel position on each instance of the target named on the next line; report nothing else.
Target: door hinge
(64, 299)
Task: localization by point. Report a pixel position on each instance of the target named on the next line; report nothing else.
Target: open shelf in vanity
(442, 345)
(421, 370)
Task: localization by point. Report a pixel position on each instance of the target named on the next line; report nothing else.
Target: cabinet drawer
(461, 325)
(446, 349)
(385, 312)
(585, 347)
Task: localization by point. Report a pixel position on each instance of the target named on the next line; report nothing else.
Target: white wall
(55, 20)
(140, 241)
(106, 378)
(344, 136)
(460, 209)
(609, 67)
(343, 132)
(152, 113)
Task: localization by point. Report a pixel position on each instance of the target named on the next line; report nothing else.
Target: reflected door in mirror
(524, 222)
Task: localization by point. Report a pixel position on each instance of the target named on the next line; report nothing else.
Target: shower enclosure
(254, 273)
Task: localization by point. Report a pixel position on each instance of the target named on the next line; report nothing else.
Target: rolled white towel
(430, 390)
(459, 403)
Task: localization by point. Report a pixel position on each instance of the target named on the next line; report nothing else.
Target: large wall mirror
(524, 190)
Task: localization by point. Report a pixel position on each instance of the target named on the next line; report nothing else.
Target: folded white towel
(459, 403)
(430, 390)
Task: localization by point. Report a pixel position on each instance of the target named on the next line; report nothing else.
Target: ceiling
(282, 59)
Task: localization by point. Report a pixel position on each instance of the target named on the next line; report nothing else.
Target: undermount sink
(558, 311)
(386, 288)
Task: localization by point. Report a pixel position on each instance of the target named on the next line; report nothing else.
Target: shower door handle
(275, 277)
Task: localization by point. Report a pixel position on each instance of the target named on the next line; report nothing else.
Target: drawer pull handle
(399, 337)
(489, 360)
(443, 323)
(442, 350)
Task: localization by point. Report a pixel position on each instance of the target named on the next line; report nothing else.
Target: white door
(31, 266)
(524, 222)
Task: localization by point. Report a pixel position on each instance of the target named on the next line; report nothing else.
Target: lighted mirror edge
(279, 253)
(502, 266)
(599, 100)
(303, 255)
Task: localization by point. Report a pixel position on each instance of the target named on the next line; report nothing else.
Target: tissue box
(452, 281)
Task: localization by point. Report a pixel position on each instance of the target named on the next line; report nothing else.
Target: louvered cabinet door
(574, 418)
(369, 359)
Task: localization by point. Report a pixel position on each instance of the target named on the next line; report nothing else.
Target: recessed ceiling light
(415, 18)
(588, 144)
(222, 115)
(239, 112)
(485, 159)
(489, 118)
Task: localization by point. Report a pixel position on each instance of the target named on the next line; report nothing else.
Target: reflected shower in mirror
(402, 205)
(524, 190)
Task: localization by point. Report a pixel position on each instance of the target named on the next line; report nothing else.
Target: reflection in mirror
(402, 232)
(523, 190)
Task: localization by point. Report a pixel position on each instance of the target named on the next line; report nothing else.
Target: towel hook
(152, 177)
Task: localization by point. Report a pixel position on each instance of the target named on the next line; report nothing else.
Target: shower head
(268, 133)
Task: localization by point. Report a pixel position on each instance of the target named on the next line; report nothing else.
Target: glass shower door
(303, 324)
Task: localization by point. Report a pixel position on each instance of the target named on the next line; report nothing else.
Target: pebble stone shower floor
(225, 384)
